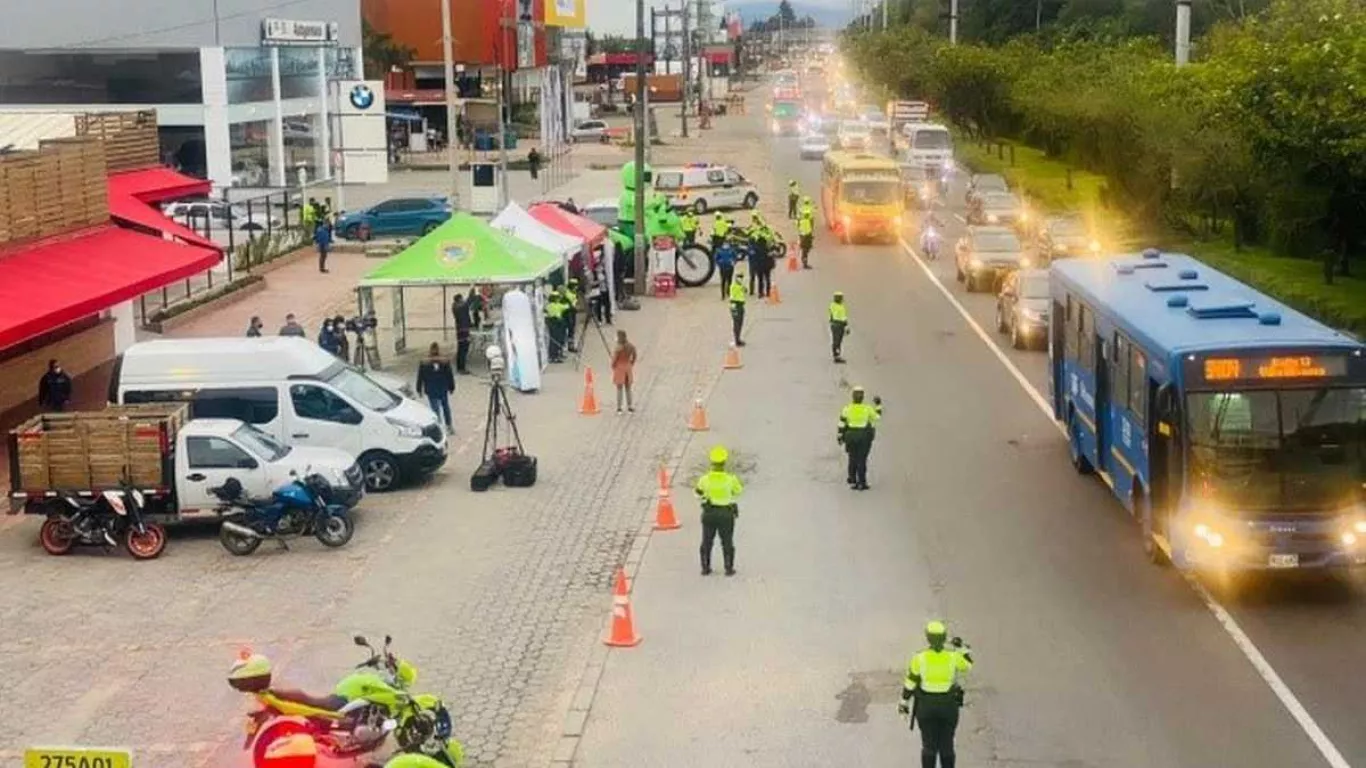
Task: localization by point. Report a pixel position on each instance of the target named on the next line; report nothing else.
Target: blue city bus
(1231, 426)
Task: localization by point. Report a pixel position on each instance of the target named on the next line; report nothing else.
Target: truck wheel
(147, 544)
(381, 471)
(56, 536)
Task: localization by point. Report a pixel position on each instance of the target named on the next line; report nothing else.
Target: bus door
(1165, 460)
(1102, 349)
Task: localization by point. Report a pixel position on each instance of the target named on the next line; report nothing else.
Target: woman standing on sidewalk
(623, 370)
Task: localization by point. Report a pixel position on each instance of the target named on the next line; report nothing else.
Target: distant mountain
(758, 10)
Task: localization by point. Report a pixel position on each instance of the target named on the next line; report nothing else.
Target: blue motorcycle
(300, 507)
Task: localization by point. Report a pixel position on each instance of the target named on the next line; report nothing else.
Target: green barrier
(77, 757)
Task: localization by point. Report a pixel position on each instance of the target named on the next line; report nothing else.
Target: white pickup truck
(172, 461)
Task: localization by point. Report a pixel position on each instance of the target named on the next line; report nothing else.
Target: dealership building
(240, 87)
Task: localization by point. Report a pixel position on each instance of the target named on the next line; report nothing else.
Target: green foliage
(263, 248)
(382, 53)
(1260, 140)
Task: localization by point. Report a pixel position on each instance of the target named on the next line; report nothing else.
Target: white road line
(1287, 697)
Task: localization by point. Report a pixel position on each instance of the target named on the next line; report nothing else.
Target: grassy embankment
(1297, 282)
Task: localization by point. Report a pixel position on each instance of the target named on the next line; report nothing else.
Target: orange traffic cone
(792, 265)
(732, 358)
(665, 519)
(623, 631)
(588, 404)
(697, 422)
(663, 478)
(773, 296)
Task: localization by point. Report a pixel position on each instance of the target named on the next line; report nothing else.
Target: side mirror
(388, 641)
(247, 463)
(361, 641)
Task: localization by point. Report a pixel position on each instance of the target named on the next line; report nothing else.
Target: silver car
(998, 208)
(814, 146)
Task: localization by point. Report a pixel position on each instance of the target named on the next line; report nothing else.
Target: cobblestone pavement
(498, 598)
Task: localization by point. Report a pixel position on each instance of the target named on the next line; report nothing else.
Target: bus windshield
(1295, 450)
(871, 192)
(932, 140)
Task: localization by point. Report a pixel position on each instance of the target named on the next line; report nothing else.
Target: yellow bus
(861, 196)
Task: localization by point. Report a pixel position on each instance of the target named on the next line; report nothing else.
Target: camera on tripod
(362, 324)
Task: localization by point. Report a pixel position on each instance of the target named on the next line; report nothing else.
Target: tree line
(1262, 135)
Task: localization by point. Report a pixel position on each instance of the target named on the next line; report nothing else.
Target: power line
(216, 20)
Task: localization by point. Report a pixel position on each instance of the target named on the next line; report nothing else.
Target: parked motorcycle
(113, 517)
(355, 719)
(300, 507)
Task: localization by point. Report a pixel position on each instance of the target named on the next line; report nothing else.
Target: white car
(705, 187)
(221, 216)
(814, 146)
(589, 131)
(854, 134)
(603, 211)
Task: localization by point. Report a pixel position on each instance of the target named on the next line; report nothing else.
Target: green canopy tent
(464, 251)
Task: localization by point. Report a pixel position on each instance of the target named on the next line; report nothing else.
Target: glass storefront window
(251, 155)
(303, 139)
(248, 75)
(342, 64)
(299, 70)
(127, 77)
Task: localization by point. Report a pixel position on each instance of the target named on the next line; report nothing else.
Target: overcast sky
(618, 17)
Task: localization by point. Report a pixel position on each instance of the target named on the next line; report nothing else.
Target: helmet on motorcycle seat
(250, 673)
(295, 750)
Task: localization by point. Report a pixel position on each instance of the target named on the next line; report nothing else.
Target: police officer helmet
(840, 295)
(807, 199)
(718, 455)
(739, 275)
(857, 393)
(936, 634)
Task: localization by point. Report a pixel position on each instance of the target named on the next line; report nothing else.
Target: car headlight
(895, 221)
(405, 428)
(993, 218)
(1024, 216)
(1359, 526)
(1208, 535)
(1095, 246)
(1349, 539)
(1025, 263)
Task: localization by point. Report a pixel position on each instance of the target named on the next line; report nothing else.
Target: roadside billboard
(571, 14)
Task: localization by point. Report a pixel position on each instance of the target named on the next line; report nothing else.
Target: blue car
(396, 217)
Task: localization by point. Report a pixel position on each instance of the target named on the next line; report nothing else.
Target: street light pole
(953, 22)
(640, 139)
(1183, 32)
(452, 143)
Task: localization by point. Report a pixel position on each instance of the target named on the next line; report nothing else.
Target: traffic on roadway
(1111, 411)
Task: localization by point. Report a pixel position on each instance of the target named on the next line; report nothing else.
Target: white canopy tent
(516, 221)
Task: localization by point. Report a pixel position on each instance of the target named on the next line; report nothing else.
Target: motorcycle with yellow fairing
(366, 706)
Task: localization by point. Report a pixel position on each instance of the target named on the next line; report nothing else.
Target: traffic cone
(663, 478)
(773, 296)
(623, 631)
(732, 358)
(588, 405)
(697, 422)
(792, 265)
(665, 519)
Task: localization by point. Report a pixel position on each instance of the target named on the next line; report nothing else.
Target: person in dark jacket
(54, 389)
(436, 380)
(339, 334)
(460, 309)
(322, 237)
(292, 327)
(725, 262)
(254, 327)
(533, 161)
(327, 337)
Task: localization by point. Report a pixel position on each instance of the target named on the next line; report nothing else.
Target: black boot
(730, 562)
(706, 563)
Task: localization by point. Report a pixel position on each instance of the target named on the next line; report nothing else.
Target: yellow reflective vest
(859, 416)
(719, 488)
(839, 312)
(932, 671)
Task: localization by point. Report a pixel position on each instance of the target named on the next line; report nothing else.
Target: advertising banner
(566, 13)
(359, 135)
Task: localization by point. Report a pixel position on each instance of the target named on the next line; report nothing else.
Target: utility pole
(1183, 32)
(953, 22)
(687, 70)
(452, 143)
(641, 138)
(884, 15)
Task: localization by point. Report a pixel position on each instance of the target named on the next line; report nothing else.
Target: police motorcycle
(366, 706)
(301, 507)
(104, 520)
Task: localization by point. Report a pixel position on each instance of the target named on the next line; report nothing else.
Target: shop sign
(292, 32)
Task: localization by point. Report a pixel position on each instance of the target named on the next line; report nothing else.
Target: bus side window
(1138, 385)
(1070, 333)
(1086, 341)
(1119, 371)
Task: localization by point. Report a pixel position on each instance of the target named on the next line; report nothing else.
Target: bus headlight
(1360, 527)
(895, 221)
(1208, 535)
(1349, 539)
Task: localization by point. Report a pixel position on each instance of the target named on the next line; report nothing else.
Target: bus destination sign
(1218, 369)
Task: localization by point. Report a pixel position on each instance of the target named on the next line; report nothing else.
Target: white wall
(125, 326)
(217, 145)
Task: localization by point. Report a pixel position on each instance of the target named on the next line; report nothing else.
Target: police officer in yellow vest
(934, 681)
(858, 427)
(794, 194)
(556, 309)
(839, 324)
(569, 295)
(806, 231)
(719, 491)
(720, 227)
(737, 306)
(688, 223)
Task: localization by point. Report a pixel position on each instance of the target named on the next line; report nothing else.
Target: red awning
(57, 281)
(133, 211)
(156, 185)
(560, 220)
(718, 57)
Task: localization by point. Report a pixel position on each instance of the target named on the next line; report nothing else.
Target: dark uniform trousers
(557, 328)
(858, 443)
(727, 274)
(792, 205)
(737, 320)
(806, 242)
(937, 714)
(719, 521)
(836, 337)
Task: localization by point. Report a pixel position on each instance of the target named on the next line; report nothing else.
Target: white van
(703, 187)
(290, 388)
(928, 145)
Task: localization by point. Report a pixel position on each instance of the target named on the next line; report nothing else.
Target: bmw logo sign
(362, 97)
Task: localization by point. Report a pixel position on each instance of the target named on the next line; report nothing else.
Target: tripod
(589, 317)
(499, 410)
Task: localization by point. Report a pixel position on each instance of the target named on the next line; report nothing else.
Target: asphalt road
(1087, 655)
